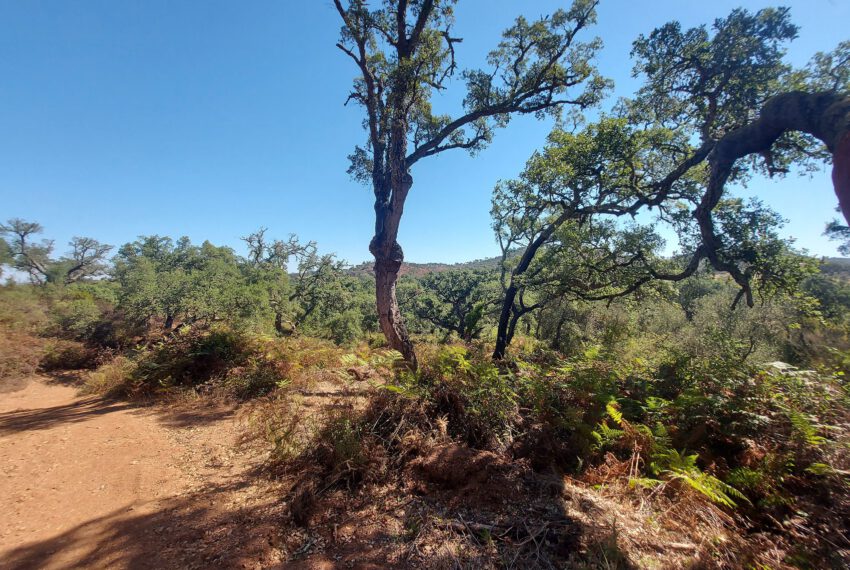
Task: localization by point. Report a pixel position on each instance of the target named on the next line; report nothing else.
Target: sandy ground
(94, 483)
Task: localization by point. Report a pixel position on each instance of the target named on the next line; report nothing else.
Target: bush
(75, 318)
(20, 353)
(111, 379)
(191, 357)
(226, 362)
(344, 328)
(68, 355)
(23, 308)
(280, 423)
(257, 378)
(473, 393)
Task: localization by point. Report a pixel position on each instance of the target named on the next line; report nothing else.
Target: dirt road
(93, 483)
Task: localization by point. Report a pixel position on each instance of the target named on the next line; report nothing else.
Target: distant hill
(839, 266)
(836, 266)
(421, 269)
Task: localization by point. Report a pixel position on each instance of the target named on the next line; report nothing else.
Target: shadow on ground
(186, 532)
(469, 510)
(191, 415)
(18, 421)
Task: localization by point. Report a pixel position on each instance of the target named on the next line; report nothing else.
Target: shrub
(75, 318)
(191, 357)
(23, 308)
(257, 378)
(279, 421)
(20, 353)
(227, 362)
(68, 355)
(344, 328)
(476, 396)
(112, 378)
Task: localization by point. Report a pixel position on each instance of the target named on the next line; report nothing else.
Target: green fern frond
(646, 482)
(614, 412)
(349, 360)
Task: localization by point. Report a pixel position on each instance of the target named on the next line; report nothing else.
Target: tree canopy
(86, 257)
(658, 152)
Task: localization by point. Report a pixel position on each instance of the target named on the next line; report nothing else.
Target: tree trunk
(390, 194)
(389, 315)
(278, 324)
(841, 175)
(515, 317)
(556, 342)
(502, 337)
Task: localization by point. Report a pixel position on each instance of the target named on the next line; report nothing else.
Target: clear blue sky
(212, 118)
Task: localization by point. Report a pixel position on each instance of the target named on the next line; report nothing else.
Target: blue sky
(213, 118)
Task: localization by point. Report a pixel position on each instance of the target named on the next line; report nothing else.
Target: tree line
(566, 293)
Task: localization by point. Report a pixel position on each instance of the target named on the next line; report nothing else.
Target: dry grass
(110, 378)
(20, 353)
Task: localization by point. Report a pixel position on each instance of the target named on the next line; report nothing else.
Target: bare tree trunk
(556, 342)
(388, 259)
(389, 315)
(502, 336)
(512, 326)
(841, 175)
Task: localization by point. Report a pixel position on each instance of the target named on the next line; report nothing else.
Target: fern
(712, 487)
(661, 437)
(807, 430)
(678, 466)
(351, 360)
(613, 410)
(646, 482)
(605, 435)
(386, 359)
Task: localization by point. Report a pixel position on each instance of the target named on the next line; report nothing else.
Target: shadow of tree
(205, 529)
(43, 418)
(73, 378)
(191, 415)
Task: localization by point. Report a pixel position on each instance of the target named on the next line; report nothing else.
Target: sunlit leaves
(713, 81)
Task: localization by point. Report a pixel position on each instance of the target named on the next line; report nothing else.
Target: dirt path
(93, 483)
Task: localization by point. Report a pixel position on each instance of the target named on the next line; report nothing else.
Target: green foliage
(477, 397)
(111, 378)
(677, 466)
(541, 58)
(179, 282)
(85, 259)
(382, 361)
(189, 358)
(77, 312)
(737, 66)
(345, 328)
(836, 231)
(455, 301)
(67, 355)
(6, 256)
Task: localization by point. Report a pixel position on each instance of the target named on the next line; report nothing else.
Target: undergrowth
(765, 444)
